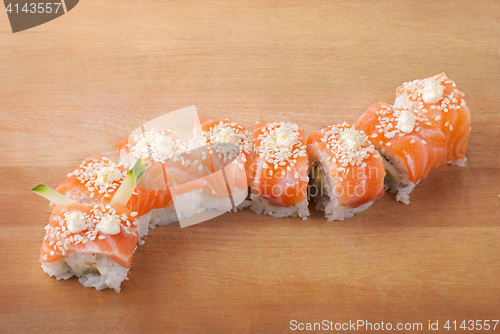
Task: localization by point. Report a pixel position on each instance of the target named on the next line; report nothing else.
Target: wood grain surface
(72, 87)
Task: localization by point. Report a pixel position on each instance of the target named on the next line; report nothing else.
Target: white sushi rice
(157, 217)
(103, 273)
(402, 186)
(261, 206)
(459, 162)
(334, 211)
(196, 202)
(330, 204)
(402, 190)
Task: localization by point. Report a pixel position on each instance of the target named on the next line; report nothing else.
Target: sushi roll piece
(229, 141)
(279, 188)
(440, 102)
(346, 170)
(94, 242)
(152, 146)
(411, 147)
(155, 146)
(96, 180)
(184, 171)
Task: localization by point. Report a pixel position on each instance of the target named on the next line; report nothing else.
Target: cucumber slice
(52, 195)
(126, 189)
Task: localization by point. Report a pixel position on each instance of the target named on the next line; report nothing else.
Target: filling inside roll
(321, 190)
(319, 182)
(396, 178)
(94, 270)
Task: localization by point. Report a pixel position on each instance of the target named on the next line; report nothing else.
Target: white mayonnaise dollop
(76, 221)
(109, 225)
(433, 91)
(108, 175)
(406, 121)
(284, 137)
(351, 138)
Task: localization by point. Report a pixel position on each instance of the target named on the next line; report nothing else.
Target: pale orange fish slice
(450, 112)
(421, 150)
(59, 240)
(356, 167)
(281, 174)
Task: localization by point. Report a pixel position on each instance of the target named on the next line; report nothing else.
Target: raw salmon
(438, 99)
(76, 228)
(350, 162)
(281, 175)
(406, 137)
(216, 133)
(97, 179)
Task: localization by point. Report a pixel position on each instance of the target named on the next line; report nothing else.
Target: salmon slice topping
(348, 156)
(281, 174)
(221, 135)
(91, 229)
(98, 177)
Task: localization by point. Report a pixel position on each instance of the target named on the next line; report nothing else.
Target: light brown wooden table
(74, 86)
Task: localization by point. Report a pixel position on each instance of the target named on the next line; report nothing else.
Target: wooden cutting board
(74, 86)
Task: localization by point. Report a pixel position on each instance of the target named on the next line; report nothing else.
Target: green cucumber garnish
(52, 195)
(126, 189)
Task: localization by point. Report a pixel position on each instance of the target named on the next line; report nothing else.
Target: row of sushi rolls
(103, 210)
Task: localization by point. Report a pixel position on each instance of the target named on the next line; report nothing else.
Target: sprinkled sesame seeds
(60, 242)
(227, 133)
(279, 145)
(157, 144)
(102, 176)
(348, 145)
